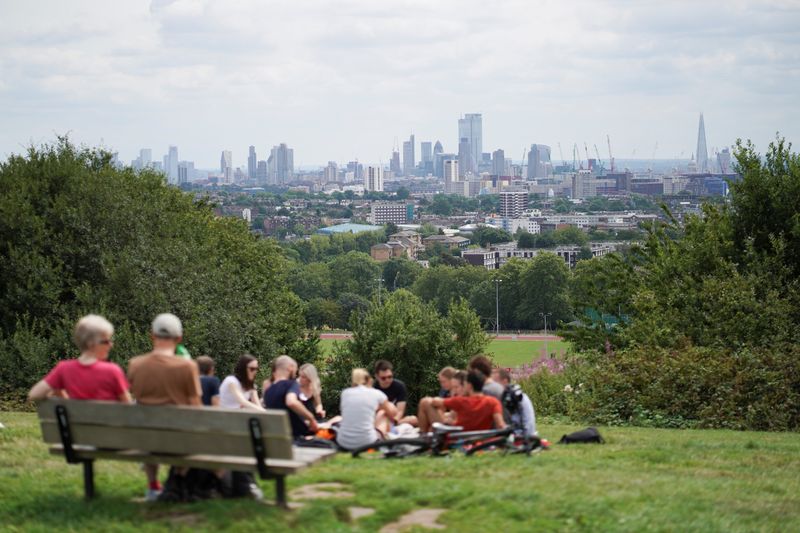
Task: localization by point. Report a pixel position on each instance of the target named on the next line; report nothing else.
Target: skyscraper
(499, 163)
(330, 173)
(451, 173)
(226, 167)
(539, 165)
(702, 151)
(724, 160)
(513, 203)
(171, 165)
(262, 174)
(471, 128)
(394, 164)
(281, 164)
(466, 161)
(374, 179)
(252, 163)
(145, 157)
(426, 154)
(409, 161)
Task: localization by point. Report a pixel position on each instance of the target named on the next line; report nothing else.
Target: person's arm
(125, 397)
(40, 391)
(294, 403)
(389, 408)
(499, 423)
(400, 411)
(241, 398)
(437, 402)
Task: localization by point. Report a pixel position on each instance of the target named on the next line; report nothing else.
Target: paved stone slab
(321, 490)
(360, 512)
(420, 517)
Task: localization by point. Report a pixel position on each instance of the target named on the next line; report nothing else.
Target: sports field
(507, 352)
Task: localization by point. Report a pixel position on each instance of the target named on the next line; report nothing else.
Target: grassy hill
(642, 479)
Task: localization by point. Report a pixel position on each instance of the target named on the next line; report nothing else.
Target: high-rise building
(471, 128)
(724, 161)
(426, 155)
(357, 169)
(330, 173)
(408, 157)
(513, 203)
(394, 164)
(437, 148)
(262, 173)
(373, 181)
(466, 161)
(145, 158)
(171, 165)
(281, 164)
(252, 163)
(539, 164)
(226, 167)
(185, 172)
(702, 151)
(499, 163)
(451, 173)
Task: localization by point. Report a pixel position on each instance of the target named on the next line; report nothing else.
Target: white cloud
(342, 79)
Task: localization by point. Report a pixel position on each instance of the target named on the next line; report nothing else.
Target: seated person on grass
(208, 381)
(366, 412)
(474, 412)
(524, 417)
(484, 365)
(445, 375)
(457, 385)
(395, 391)
(284, 393)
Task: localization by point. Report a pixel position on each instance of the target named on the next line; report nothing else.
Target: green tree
(544, 285)
(354, 272)
(400, 273)
(486, 235)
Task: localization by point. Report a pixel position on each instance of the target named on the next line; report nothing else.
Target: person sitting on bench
(208, 381)
(91, 376)
(474, 412)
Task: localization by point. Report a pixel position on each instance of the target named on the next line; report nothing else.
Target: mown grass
(507, 353)
(641, 479)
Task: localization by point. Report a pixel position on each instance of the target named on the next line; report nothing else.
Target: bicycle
(444, 439)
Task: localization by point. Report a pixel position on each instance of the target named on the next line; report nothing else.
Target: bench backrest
(167, 429)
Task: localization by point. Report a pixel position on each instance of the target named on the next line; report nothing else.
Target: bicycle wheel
(393, 448)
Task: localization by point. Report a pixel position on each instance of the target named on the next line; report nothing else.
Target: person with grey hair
(91, 376)
(160, 378)
(284, 393)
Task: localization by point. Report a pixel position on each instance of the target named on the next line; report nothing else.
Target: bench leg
(88, 479)
(280, 492)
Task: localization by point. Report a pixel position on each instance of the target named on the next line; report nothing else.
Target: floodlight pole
(497, 282)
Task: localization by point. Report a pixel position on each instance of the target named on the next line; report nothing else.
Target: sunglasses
(252, 368)
(106, 341)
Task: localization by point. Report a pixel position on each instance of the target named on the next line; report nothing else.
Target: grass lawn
(641, 479)
(507, 353)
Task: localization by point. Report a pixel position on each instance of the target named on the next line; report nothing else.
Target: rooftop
(348, 228)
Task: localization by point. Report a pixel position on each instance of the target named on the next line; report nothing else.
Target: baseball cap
(167, 326)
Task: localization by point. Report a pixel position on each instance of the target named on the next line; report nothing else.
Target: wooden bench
(200, 437)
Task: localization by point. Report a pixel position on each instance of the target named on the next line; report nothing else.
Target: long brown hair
(240, 371)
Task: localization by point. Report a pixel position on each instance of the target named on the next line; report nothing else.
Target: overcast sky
(340, 80)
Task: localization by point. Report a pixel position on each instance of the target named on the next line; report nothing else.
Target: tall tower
(702, 151)
(374, 179)
(252, 163)
(408, 157)
(471, 128)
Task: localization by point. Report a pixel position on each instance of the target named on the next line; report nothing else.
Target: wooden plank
(172, 417)
(209, 462)
(167, 441)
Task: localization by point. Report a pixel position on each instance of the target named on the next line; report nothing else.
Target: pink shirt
(100, 380)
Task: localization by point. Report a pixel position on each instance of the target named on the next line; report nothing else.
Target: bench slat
(209, 462)
(166, 441)
(174, 417)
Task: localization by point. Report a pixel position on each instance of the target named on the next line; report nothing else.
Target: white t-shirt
(227, 398)
(358, 407)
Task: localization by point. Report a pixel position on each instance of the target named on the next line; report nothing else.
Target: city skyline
(339, 82)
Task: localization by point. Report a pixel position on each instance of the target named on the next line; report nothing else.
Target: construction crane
(599, 161)
(653, 158)
(522, 164)
(610, 157)
(563, 161)
(586, 150)
(575, 158)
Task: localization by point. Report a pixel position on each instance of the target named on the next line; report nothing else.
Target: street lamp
(497, 282)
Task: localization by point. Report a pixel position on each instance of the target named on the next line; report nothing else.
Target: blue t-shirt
(275, 398)
(210, 386)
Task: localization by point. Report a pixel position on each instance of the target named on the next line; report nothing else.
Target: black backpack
(584, 435)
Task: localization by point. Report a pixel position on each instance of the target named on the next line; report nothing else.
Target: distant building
(348, 228)
(281, 165)
(373, 181)
(451, 173)
(171, 165)
(226, 167)
(584, 184)
(185, 172)
(513, 203)
(724, 161)
(394, 164)
(471, 128)
(466, 161)
(495, 258)
(408, 157)
(539, 165)
(252, 163)
(449, 241)
(330, 172)
(394, 212)
(702, 151)
(262, 173)
(499, 163)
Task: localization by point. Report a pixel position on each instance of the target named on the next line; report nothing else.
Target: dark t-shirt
(275, 398)
(396, 392)
(210, 386)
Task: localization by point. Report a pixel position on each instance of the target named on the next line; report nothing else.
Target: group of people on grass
(370, 410)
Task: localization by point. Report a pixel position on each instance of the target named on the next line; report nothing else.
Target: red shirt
(100, 380)
(474, 413)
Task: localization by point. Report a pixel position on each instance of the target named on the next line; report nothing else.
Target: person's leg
(153, 485)
(382, 423)
(427, 414)
(410, 419)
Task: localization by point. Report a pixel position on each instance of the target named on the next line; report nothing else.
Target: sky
(348, 79)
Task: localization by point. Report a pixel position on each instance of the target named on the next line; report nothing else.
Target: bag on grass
(584, 435)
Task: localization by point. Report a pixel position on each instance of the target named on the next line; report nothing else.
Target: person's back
(162, 379)
(475, 412)
(358, 407)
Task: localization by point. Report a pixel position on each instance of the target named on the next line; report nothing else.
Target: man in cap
(160, 378)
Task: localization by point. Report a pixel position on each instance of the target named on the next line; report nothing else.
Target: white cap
(167, 326)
